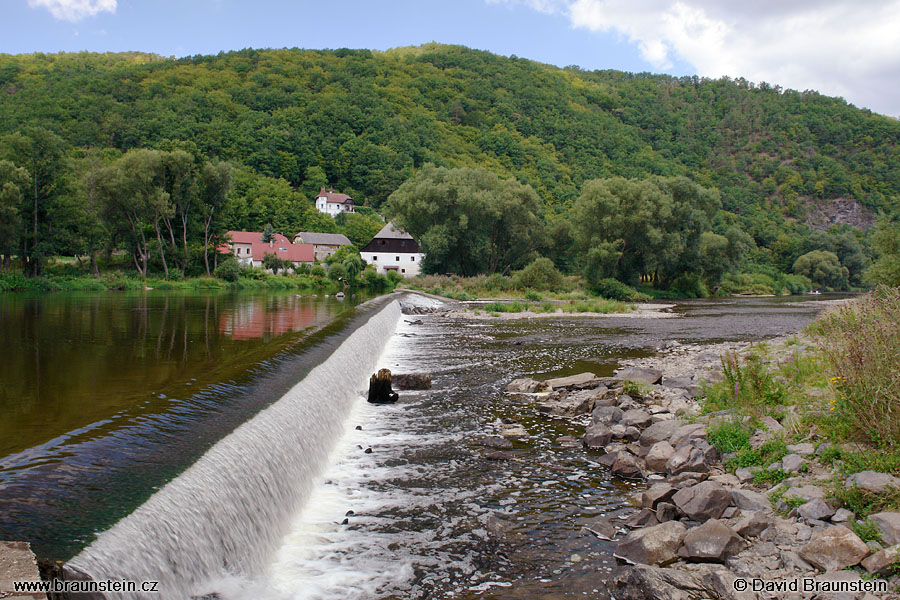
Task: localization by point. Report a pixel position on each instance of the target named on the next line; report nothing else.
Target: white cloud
(74, 10)
(838, 47)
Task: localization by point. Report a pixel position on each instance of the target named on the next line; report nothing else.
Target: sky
(837, 47)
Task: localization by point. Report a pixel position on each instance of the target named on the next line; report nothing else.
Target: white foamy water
(217, 526)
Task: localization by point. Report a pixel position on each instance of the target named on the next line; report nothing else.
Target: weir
(227, 513)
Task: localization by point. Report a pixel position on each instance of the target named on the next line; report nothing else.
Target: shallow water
(420, 500)
(106, 398)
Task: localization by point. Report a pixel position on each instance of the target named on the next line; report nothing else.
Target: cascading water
(228, 512)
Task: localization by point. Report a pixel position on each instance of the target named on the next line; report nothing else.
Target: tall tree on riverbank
(13, 188)
(469, 221)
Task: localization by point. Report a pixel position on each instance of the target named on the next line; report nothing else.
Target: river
(108, 397)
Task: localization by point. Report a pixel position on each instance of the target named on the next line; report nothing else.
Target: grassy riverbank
(255, 279)
(837, 386)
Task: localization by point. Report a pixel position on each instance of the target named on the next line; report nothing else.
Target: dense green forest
(278, 124)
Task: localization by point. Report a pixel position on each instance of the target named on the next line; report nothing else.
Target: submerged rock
(412, 381)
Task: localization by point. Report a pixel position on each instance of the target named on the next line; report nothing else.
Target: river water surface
(105, 398)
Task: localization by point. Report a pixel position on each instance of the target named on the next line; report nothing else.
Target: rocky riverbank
(700, 529)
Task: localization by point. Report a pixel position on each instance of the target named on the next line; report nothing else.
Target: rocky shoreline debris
(696, 528)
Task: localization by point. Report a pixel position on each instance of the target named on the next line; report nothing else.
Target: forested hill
(370, 118)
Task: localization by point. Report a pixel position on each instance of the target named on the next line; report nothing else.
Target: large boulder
(695, 457)
(658, 455)
(704, 501)
(640, 375)
(889, 523)
(711, 542)
(816, 509)
(883, 561)
(597, 436)
(607, 415)
(656, 545)
(497, 442)
(659, 432)
(873, 482)
(834, 548)
(807, 492)
(569, 405)
(627, 465)
(749, 500)
(753, 524)
(525, 385)
(656, 493)
(686, 433)
(636, 418)
(642, 582)
(580, 381)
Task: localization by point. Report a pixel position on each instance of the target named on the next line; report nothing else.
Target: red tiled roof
(279, 246)
(333, 197)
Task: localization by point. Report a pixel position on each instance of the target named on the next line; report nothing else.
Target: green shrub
(867, 530)
(690, 285)
(317, 271)
(771, 476)
(540, 274)
(748, 385)
(230, 270)
(616, 290)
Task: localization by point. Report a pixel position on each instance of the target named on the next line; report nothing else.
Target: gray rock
(568, 441)
(707, 500)
(807, 492)
(580, 381)
(656, 545)
(627, 465)
(804, 449)
(642, 582)
(641, 518)
(834, 548)
(527, 386)
(666, 512)
(622, 433)
(497, 526)
(686, 433)
(607, 415)
(816, 509)
(602, 528)
(658, 456)
(750, 501)
(744, 474)
(889, 523)
(498, 442)
(640, 375)
(636, 418)
(569, 405)
(498, 455)
(515, 431)
(842, 515)
(711, 542)
(597, 436)
(771, 424)
(794, 562)
(687, 479)
(656, 493)
(874, 482)
(753, 524)
(659, 432)
(792, 463)
(883, 561)
(411, 381)
(694, 457)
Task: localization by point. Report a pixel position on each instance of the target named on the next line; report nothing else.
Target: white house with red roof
(333, 203)
(248, 247)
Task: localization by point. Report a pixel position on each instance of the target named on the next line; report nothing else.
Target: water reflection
(104, 396)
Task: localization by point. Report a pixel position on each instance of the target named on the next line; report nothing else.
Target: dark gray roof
(389, 232)
(325, 239)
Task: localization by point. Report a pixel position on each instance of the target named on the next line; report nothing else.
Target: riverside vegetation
(778, 463)
(678, 186)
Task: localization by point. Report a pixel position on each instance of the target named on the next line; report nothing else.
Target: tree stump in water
(380, 391)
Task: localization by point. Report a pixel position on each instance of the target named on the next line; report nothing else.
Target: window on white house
(412, 259)
(403, 270)
(374, 258)
(397, 258)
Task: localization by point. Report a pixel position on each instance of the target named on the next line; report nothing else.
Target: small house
(248, 247)
(332, 203)
(393, 250)
(324, 244)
